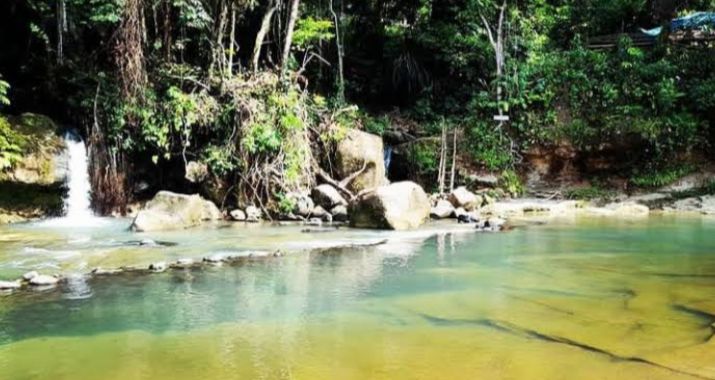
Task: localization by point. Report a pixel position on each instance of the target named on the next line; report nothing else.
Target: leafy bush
(511, 183)
(661, 177)
(12, 145)
(489, 146)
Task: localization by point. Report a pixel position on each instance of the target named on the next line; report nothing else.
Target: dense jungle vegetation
(259, 90)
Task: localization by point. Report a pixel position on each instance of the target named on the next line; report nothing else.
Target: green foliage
(4, 88)
(423, 158)
(511, 183)
(310, 31)
(376, 125)
(489, 146)
(286, 204)
(661, 177)
(12, 145)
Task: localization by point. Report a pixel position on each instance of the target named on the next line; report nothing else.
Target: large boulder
(171, 211)
(461, 197)
(398, 206)
(358, 149)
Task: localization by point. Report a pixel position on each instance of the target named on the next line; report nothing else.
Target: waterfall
(388, 157)
(77, 202)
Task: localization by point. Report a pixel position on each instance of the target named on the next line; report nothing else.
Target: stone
(44, 280)
(358, 149)
(184, 263)
(215, 259)
(253, 214)
(196, 172)
(461, 197)
(171, 211)
(303, 204)
(238, 215)
(8, 285)
(30, 275)
(702, 205)
(443, 209)
(105, 272)
(485, 180)
(494, 224)
(327, 197)
(47, 163)
(340, 213)
(399, 206)
(158, 267)
(318, 212)
(628, 209)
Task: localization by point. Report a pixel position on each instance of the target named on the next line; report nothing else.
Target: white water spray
(77, 202)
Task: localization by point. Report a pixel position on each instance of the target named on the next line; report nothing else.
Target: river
(573, 299)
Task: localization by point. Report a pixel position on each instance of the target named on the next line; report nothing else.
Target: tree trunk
(261, 35)
(341, 54)
(129, 52)
(232, 49)
(292, 18)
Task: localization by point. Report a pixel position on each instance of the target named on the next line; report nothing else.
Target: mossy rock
(21, 201)
(44, 154)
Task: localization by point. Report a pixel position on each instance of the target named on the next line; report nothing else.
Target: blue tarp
(694, 21)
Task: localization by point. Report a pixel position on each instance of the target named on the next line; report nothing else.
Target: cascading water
(77, 202)
(77, 205)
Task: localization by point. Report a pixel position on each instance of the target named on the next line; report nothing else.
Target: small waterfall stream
(77, 202)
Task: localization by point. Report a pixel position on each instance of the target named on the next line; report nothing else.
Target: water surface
(590, 299)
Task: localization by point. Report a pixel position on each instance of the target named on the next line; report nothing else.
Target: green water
(588, 299)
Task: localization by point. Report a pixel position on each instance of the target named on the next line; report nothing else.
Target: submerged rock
(360, 149)
(158, 267)
(8, 285)
(168, 211)
(398, 206)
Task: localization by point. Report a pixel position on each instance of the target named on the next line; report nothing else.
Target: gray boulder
(340, 213)
(398, 206)
(461, 197)
(443, 209)
(303, 204)
(327, 197)
(359, 148)
(171, 211)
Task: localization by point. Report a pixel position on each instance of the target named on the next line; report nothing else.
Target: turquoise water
(570, 299)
